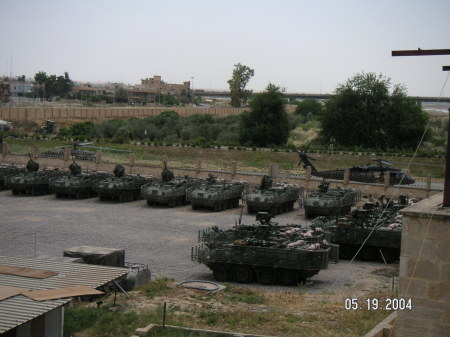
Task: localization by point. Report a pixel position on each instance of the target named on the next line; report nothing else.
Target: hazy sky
(304, 46)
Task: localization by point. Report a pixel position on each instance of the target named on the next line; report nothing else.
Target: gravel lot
(158, 236)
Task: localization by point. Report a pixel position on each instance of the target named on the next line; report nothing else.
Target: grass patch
(243, 295)
(158, 286)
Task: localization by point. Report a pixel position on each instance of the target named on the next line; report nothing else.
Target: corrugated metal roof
(20, 309)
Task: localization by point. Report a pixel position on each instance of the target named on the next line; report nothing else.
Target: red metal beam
(421, 52)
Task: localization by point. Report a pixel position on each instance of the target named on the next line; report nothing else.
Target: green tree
(267, 122)
(241, 75)
(364, 113)
(121, 96)
(308, 107)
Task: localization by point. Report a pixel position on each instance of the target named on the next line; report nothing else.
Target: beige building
(150, 87)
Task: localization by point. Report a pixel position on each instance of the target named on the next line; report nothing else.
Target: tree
(308, 106)
(267, 122)
(241, 75)
(50, 85)
(364, 113)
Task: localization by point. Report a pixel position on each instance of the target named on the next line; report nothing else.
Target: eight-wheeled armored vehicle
(216, 194)
(77, 184)
(33, 182)
(268, 253)
(378, 227)
(327, 201)
(7, 171)
(170, 191)
(273, 198)
(122, 187)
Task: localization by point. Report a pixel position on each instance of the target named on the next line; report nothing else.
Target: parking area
(158, 236)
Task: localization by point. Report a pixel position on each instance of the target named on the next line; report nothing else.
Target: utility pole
(429, 52)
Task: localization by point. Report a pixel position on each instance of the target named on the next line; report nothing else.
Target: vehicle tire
(266, 276)
(236, 203)
(194, 206)
(243, 274)
(287, 277)
(222, 272)
(149, 202)
(171, 203)
(79, 195)
(15, 192)
(217, 207)
(101, 197)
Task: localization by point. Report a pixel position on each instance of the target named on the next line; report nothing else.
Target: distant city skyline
(303, 46)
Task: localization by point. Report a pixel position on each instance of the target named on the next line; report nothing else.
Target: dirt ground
(158, 236)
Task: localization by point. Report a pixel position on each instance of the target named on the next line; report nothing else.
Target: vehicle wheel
(243, 274)
(79, 195)
(15, 192)
(236, 203)
(149, 203)
(180, 201)
(266, 276)
(367, 254)
(34, 191)
(273, 211)
(217, 207)
(222, 272)
(287, 277)
(194, 206)
(224, 205)
(346, 252)
(171, 203)
(58, 195)
(101, 197)
(250, 210)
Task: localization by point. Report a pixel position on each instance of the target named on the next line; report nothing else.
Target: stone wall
(425, 270)
(40, 114)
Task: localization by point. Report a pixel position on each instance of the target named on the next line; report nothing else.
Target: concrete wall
(38, 114)
(425, 270)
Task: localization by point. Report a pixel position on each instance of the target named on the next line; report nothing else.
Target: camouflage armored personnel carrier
(169, 191)
(33, 182)
(273, 198)
(122, 187)
(77, 184)
(327, 201)
(218, 195)
(7, 171)
(380, 225)
(268, 253)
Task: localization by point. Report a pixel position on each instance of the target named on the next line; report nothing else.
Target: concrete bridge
(295, 96)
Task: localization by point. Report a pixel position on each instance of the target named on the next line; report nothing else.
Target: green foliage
(267, 122)
(51, 85)
(244, 295)
(121, 96)
(168, 127)
(364, 113)
(158, 286)
(241, 75)
(309, 107)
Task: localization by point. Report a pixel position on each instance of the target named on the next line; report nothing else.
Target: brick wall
(425, 270)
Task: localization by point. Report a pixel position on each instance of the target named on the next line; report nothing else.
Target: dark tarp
(102, 256)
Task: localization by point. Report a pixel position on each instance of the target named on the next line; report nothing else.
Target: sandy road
(158, 236)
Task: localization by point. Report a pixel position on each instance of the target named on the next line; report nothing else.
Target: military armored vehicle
(327, 201)
(122, 187)
(33, 182)
(215, 194)
(7, 171)
(77, 184)
(380, 225)
(267, 252)
(169, 191)
(48, 127)
(273, 198)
